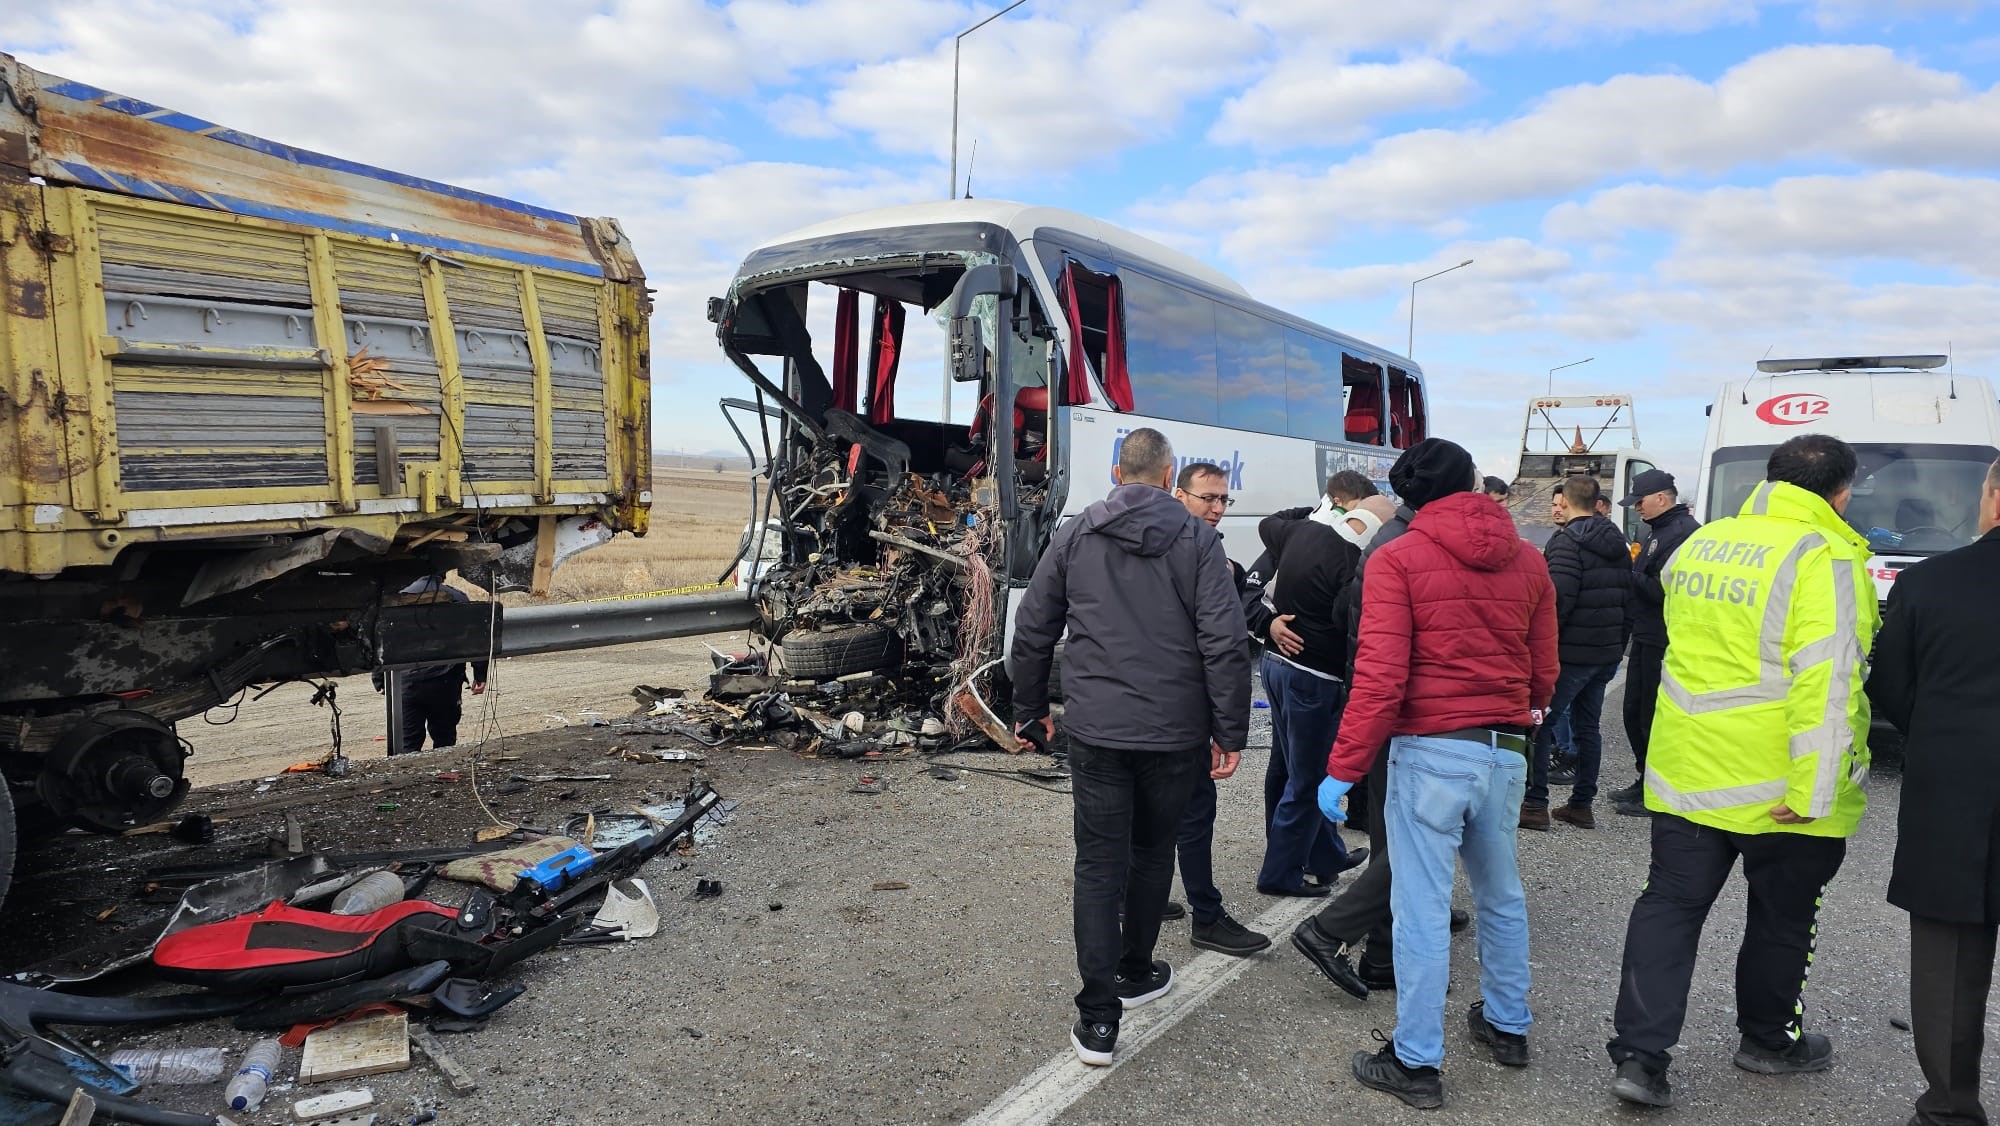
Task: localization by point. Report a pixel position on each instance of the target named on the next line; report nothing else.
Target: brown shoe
(1535, 817)
(1577, 815)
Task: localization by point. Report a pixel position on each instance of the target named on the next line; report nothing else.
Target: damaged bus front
(902, 529)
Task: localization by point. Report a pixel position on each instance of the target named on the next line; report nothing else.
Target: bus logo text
(1231, 466)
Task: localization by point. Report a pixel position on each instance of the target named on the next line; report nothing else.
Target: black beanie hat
(1431, 469)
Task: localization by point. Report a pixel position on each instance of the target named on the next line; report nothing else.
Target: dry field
(698, 517)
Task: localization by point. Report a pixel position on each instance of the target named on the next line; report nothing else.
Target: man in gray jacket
(1147, 598)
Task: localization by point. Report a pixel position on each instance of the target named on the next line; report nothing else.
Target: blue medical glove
(1331, 790)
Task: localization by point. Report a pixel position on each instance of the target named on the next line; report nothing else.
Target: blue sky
(1673, 187)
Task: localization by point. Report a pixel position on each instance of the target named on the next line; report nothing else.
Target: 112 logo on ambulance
(1793, 410)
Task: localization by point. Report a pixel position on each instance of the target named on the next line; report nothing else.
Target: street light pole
(1559, 367)
(956, 42)
(1411, 346)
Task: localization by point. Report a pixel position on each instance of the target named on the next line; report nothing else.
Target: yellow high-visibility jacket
(1770, 615)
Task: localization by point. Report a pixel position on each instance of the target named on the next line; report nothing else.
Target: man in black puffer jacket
(1668, 525)
(1591, 565)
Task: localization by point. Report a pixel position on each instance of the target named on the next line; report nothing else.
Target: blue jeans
(1451, 799)
(1565, 736)
(1305, 716)
(1580, 691)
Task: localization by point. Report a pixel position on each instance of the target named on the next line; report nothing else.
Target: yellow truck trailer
(248, 394)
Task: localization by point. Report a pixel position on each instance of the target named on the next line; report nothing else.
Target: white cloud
(1492, 25)
(1945, 221)
(1859, 104)
(1310, 101)
(1042, 94)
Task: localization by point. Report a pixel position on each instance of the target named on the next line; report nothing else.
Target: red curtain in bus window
(1364, 414)
(1076, 370)
(1117, 382)
(846, 338)
(1399, 410)
(882, 356)
(1419, 424)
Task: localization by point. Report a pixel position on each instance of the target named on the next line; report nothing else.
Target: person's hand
(479, 688)
(1048, 728)
(1331, 790)
(1221, 763)
(1783, 815)
(1288, 643)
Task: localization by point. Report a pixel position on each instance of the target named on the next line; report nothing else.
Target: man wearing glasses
(1204, 488)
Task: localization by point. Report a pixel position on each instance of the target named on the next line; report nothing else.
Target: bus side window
(1170, 349)
(1250, 362)
(1315, 402)
(1407, 417)
(1364, 420)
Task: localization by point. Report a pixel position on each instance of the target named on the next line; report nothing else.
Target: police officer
(1759, 749)
(1668, 525)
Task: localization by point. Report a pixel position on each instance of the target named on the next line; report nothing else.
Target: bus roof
(1024, 221)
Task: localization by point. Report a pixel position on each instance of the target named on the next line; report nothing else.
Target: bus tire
(838, 652)
(7, 842)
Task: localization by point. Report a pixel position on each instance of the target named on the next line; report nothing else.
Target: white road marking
(1052, 1088)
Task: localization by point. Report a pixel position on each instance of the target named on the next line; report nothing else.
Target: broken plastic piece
(629, 909)
(339, 1102)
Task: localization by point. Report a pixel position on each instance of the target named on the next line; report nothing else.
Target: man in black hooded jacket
(1156, 680)
(1668, 525)
(1590, 563)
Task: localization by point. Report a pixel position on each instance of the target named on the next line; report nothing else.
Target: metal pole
(955, 43)
(1410, 347)
(393, 693)
(1559, 367)
(953, 193)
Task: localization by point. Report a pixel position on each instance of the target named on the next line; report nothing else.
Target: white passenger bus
(1084, 330)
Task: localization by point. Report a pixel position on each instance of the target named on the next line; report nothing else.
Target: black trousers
(1195, 845)
(430, 704)
(1362, 910)
(1787, 873)
(1642, 695)
(1951, 968)
(1128, 808)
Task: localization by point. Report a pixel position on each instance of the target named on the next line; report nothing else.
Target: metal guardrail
(587, 625)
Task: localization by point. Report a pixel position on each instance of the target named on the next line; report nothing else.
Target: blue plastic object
(557, 871)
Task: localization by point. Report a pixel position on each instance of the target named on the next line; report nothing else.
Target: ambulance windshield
(1908, 499)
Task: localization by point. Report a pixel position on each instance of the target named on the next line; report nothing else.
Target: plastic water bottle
(246, 1091)
(171, 1066)
(370, 894)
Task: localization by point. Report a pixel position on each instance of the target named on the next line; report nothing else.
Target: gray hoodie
(1155, 659)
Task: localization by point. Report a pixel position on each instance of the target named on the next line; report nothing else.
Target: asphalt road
(805, 995)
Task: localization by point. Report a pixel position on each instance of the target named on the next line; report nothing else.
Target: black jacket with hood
(1664, 535)
(1591, 564)
(1155, 659)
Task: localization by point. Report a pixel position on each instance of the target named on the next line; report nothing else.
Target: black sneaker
(1562, 776)
(1636, 792)
(1631, 808)
(1134, 992)
(1460, 920)
(1637, 1083)
(1093, 1042)
(1173, 912)
(1810, 1052)
(1227, 936)
(1420, 1087)
(1330, 957)
(1510, 1049)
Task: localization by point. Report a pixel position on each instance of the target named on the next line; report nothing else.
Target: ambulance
(1924, 438)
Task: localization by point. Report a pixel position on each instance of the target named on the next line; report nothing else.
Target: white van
(1924, 438)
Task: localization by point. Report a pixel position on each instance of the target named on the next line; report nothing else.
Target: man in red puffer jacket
(1457, 661)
